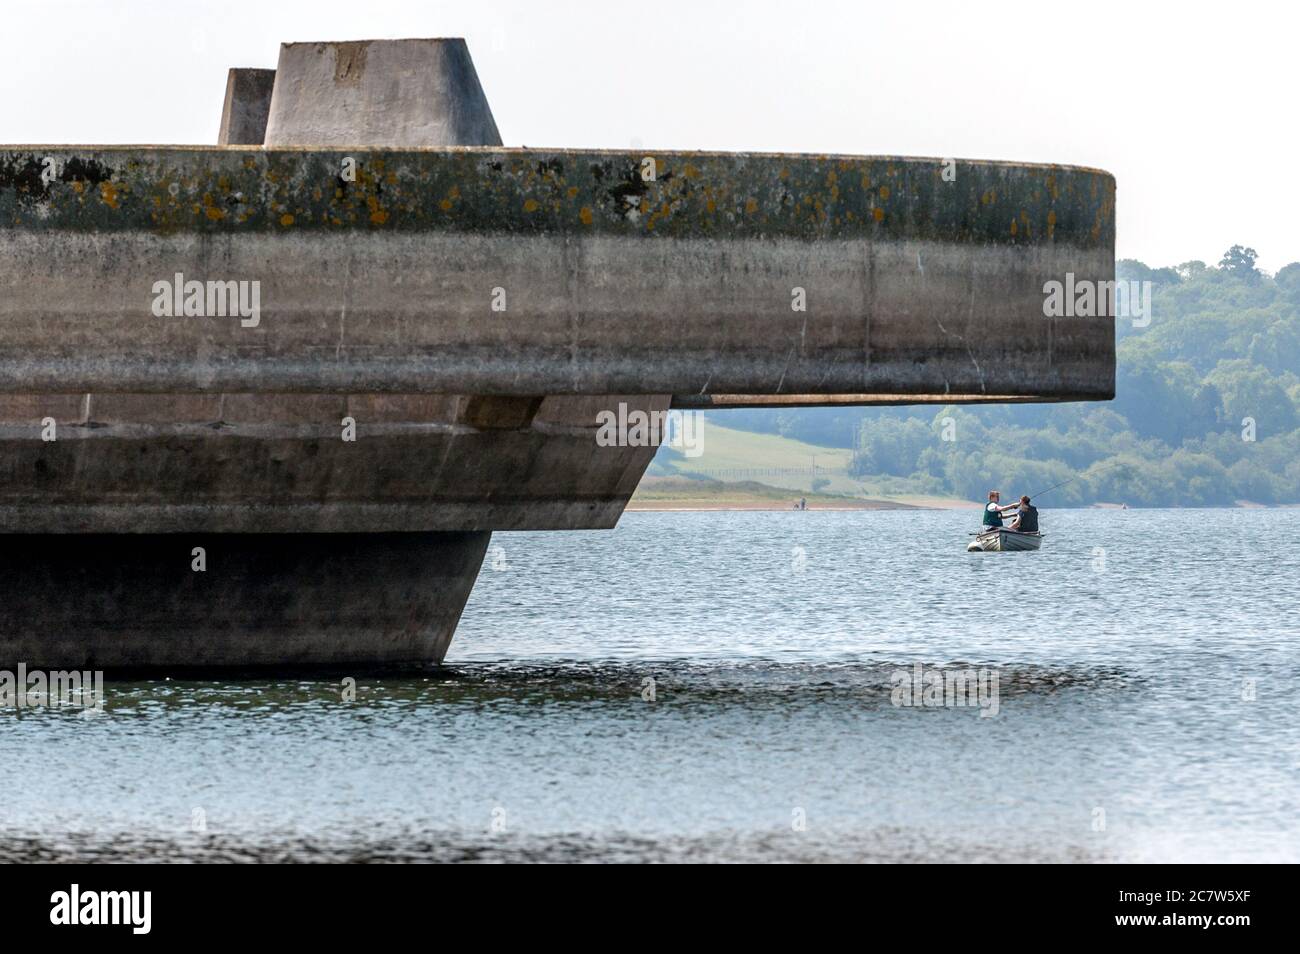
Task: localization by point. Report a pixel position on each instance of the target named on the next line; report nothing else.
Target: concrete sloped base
(122, 601)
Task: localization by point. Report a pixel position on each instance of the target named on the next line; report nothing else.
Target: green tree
(1240, 262)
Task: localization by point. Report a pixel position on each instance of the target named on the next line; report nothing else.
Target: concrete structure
(469, 309)
(409, 93)
(247, 105)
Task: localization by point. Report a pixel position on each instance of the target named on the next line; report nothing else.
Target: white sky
(1192, 106)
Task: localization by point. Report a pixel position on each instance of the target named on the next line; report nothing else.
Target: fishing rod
(1073, 479)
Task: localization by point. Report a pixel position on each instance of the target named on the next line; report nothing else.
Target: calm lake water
(1148, 708)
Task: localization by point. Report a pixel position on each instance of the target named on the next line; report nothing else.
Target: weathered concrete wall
(613, 285)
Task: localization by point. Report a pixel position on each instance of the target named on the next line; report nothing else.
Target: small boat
(1003, 540)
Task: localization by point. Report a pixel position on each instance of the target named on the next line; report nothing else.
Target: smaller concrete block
(379, 93)
(247, 105)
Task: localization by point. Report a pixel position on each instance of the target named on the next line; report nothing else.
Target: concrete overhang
(486, 270)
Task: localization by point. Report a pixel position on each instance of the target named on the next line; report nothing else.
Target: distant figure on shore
(1026, 520)
(993, 512)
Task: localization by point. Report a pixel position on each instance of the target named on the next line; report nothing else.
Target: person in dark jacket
(1026, 520)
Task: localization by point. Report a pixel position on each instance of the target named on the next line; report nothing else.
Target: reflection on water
(718, 687)
(882, 845)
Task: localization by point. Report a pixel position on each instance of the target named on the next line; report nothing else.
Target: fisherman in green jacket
(993, 512)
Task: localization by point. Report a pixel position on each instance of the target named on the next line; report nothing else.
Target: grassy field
(745, 469)
(687, 493)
